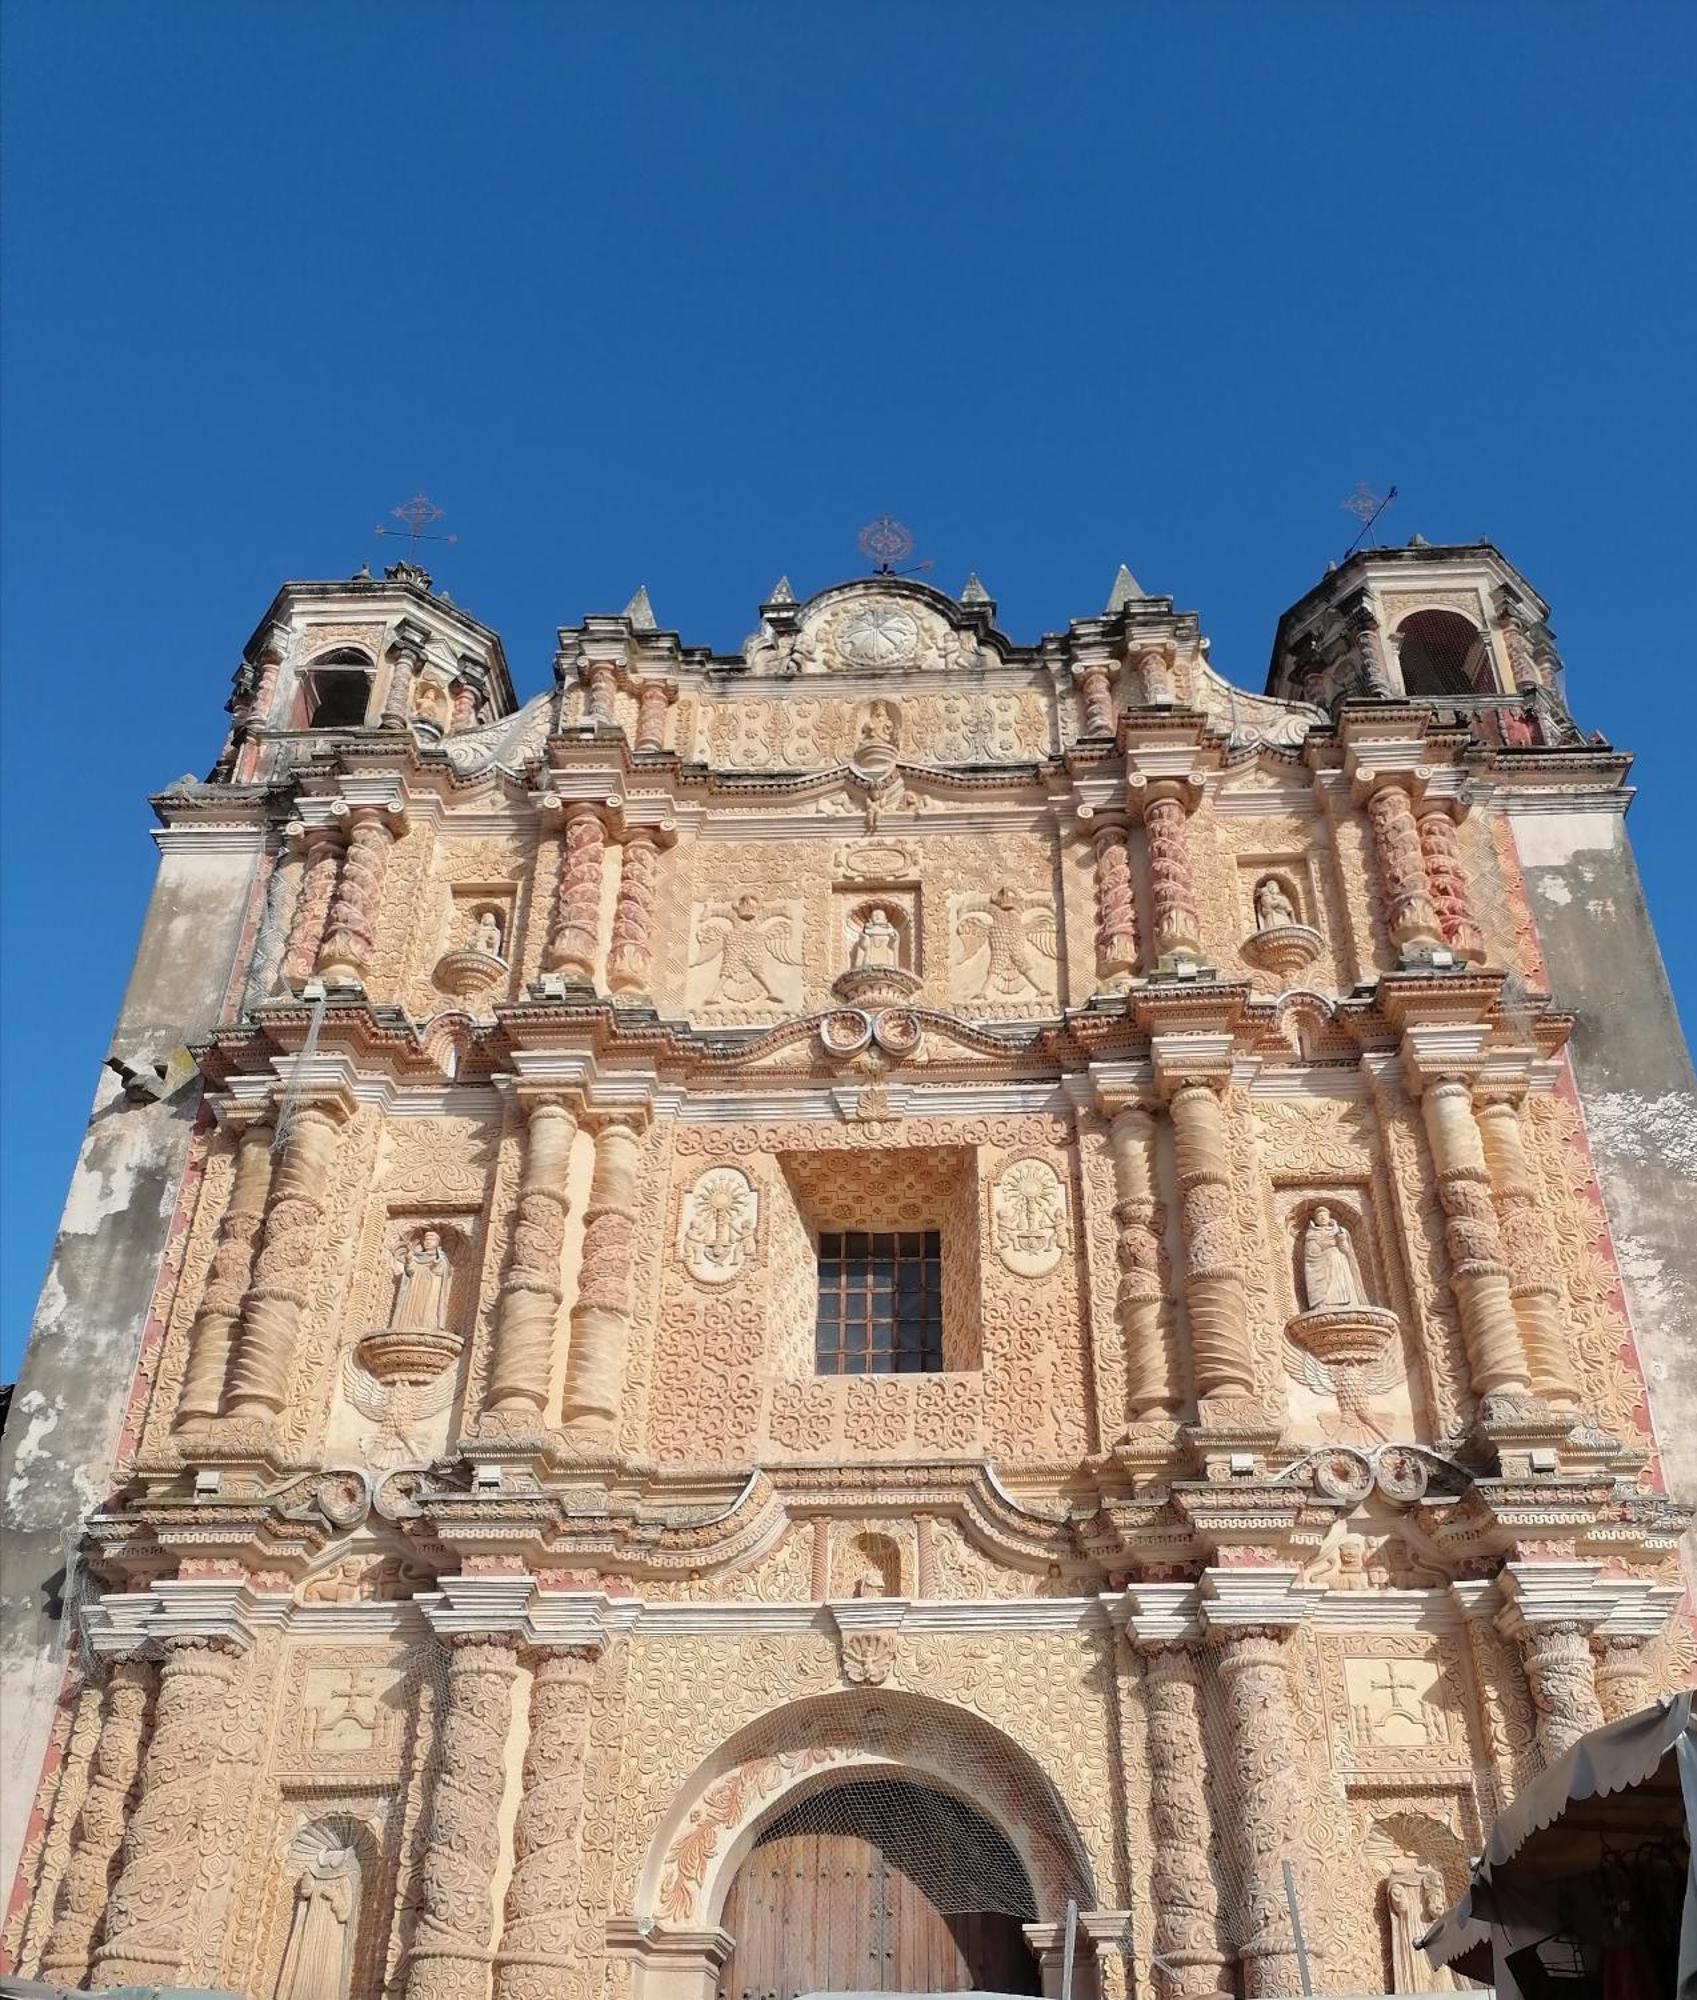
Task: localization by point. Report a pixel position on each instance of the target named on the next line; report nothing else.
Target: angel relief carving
(747, 954)
(1004, 947)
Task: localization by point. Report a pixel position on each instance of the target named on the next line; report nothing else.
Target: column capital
(1159, 1617)
(513, 1607)
(1236, 1603)
(1123, 1086)
(1185, 1060)
(1578, 1595)
(217, 1611)
(379, 795)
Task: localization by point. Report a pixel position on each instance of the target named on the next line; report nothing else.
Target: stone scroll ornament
(719, 1225)
(1028, 1217)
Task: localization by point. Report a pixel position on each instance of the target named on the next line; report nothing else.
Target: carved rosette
(1150, 1390)
(99, 1836)
(1478, 1272)
(153, 1921)
(631, 952)
(1624, 1683)
(227, 1280)
(1116, 908)
(1267, 1803)
(1560, 1673)
(1409, 914)
(541, 1907)
(282, 1278)
(312, 904)
(1446, 878)
(1533, 1270)
(1187, 1904)
(600, 1330)
(450, 1948)
(344, 958)
(1213, 1281)
(1172, 883)
(575, 924)
(529, 1307)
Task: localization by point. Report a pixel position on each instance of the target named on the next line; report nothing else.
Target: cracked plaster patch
(1628, 1125)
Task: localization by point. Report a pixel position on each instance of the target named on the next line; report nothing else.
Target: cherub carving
(748, 946)
(1012, 940)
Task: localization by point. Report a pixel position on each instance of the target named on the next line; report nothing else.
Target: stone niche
(477, 964)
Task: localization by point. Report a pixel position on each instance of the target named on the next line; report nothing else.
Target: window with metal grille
(880, 1302)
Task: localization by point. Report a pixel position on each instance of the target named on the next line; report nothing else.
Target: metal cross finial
(417, 515)
(887, 542)
(1366, 506)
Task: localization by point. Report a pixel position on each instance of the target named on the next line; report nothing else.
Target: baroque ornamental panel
(1028, 1216)
(719, 1225)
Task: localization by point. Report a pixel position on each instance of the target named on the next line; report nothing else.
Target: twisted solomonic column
(154, 1916)
(1172, 881)
(451, 1946)
(1266, 1799)
(1150, 1389)
(630, 954)
(1116, 908)
(344, 958)
(312, 903)
(528, 1315)
(574, 927)
(1096, 693)
(227, 1281)
(1535, 1286)
(600, 1330)
(1446, 880)
(1479, 1274)
(99, 1835)
(653, 698)
(1181, 1883)
(1409, 915)
(1213, 1275)
(282, 1275)
(541, 1909)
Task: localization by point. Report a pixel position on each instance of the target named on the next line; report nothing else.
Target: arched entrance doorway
(878, 1885)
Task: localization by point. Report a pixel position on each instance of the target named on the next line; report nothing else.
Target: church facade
(893, 1215)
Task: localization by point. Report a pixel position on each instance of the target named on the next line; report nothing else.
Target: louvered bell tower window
(880, 1302)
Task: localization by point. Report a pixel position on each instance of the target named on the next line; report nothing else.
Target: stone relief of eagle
(1012, 943)
(747, 946)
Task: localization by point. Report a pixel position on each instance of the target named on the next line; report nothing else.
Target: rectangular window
(880, 1302)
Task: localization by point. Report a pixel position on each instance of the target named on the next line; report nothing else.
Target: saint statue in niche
(316, 1958)
(878, 948)
(1414, 1901)
(421, 1283)
(487, 938)
(1331, 1278)
(880, 725)
(1273, 908)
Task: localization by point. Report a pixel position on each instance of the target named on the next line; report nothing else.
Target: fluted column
(1213, 1277)
(1116, 907)
(451, 1946)
(630, 954)
(227, 1281)
(653, 698)
(1150, 1389)
(1624, 1682)
(1172, 883)
(344, 958)
(1446, 881)
(99, 1833)
(1182, 1886)
(1562, 1678)
(282, 1276)
(575, 925)
(541, 1909)
(1478, 1269)
(1266, 1799)
(1409, 915)
(1096, 692)
(312, 905)
(527, 1317)
(153, 1919)
(600, 1331)
(1535, 1285)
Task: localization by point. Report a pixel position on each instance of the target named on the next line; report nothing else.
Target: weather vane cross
(1366, 506)
(416, 516)
(887, 542)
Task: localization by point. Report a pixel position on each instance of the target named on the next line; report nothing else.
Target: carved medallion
(1028, 1217)
(878, 636)
(719, 1225)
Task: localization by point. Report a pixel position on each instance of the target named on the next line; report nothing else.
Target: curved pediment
(876, 625)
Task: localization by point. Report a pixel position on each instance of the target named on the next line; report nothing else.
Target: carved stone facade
(496, 1546)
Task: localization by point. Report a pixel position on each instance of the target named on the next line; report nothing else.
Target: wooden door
(840, 1895)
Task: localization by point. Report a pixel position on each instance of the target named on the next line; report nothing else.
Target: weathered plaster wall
(1636, 1087)
(74, 1384)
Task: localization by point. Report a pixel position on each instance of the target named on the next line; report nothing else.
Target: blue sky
(683, 295)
